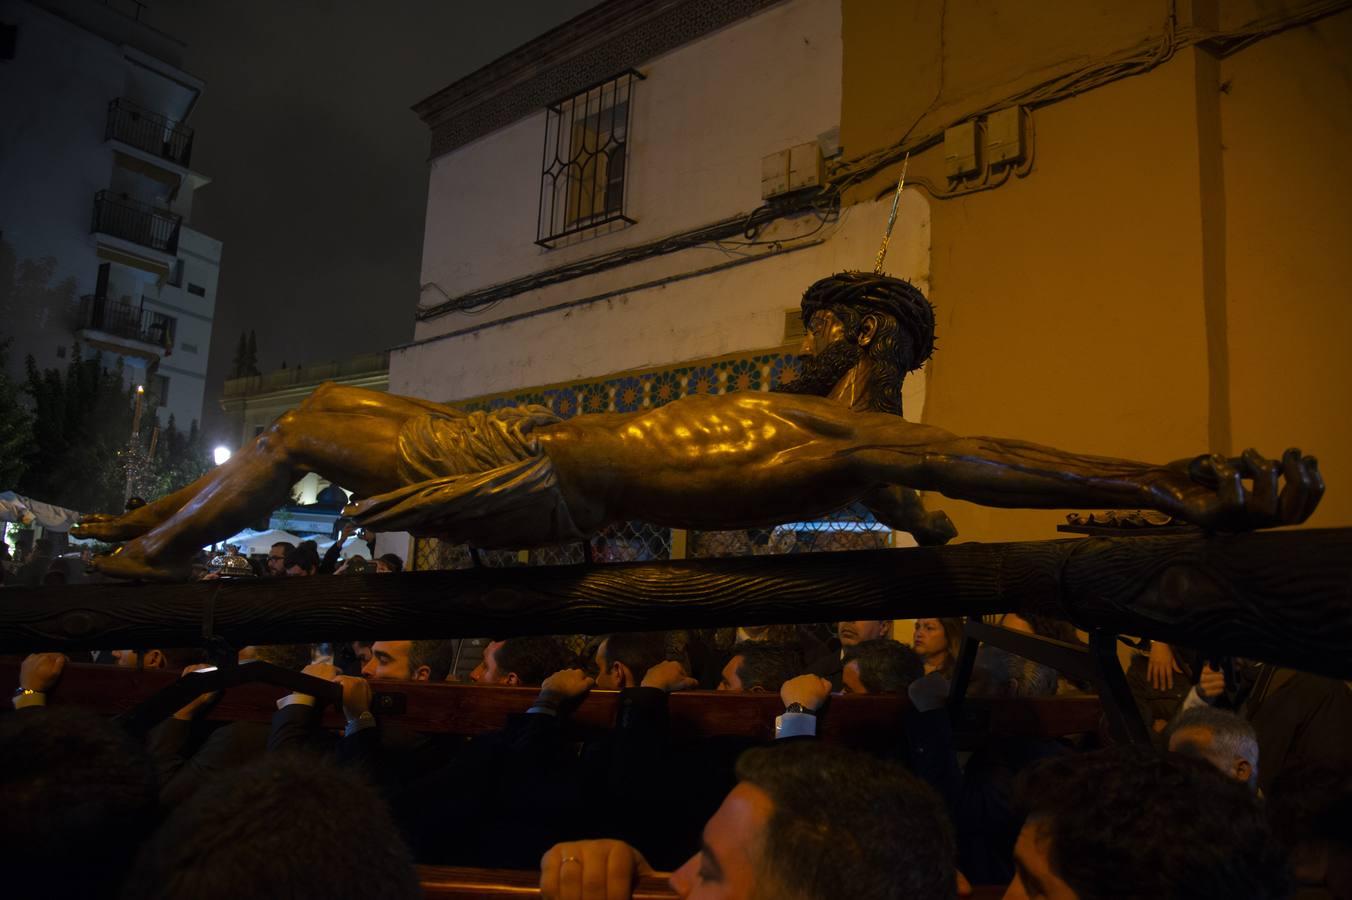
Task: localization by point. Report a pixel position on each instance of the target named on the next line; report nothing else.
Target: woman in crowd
(938, 641)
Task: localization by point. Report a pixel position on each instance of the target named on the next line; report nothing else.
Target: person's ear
(868, 329)
(622, 675)
(422, 673)
(154, 659)
(1243, 771)
(511, 680)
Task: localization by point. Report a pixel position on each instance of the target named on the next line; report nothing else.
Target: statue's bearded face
(826, 355)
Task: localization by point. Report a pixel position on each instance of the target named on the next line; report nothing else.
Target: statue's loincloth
(480, 478)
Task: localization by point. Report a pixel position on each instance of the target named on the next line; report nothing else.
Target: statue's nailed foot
(131, 566)
(937, 529)
(110, 528)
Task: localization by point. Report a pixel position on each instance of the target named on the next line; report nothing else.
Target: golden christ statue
(523, 477)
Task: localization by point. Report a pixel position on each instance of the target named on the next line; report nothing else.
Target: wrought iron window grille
(582, 178)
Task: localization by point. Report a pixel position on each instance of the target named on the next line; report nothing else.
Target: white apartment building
(660, 241)
(96, 192)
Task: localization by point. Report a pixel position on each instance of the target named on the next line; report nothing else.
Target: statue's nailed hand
(1239, 494)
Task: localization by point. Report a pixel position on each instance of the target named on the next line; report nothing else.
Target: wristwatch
(796, 707)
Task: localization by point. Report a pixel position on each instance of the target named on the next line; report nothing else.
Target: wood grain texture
(461, 883)
(464, 883)
(1282, 596)
(473, 709)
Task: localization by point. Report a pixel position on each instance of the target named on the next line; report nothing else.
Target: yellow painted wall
(1287, 125)
(1075, 306)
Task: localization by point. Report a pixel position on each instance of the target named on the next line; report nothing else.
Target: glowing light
(221, 454)
(140, 389)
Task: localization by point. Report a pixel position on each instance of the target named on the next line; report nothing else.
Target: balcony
(120, 216)
(147, 130)
(123, 328)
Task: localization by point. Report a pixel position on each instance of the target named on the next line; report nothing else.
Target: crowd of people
(1247, 791)
(42, 565)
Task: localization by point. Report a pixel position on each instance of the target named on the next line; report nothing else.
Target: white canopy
(354, 546)
(14, 508)
(249, 541)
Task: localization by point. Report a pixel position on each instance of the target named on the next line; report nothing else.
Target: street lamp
(221, 454)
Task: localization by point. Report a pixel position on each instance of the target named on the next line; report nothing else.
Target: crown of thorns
(897, 297)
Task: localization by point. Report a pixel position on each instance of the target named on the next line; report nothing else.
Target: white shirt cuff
(1195, 699)
(296, 699)
(795, 725)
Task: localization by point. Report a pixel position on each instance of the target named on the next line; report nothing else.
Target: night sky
(319, 167)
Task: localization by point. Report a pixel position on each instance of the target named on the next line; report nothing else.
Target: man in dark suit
(830, 665)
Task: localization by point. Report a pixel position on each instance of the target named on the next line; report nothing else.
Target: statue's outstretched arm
(1250, 491)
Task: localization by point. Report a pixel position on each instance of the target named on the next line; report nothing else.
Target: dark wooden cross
(1280, 596)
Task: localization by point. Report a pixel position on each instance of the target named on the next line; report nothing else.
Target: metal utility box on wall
(795, 169)
(1004, 136)
(805, 166)
(960, 150)
(775, 175)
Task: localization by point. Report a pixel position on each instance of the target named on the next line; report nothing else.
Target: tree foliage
(246, 356)
(16, 428)
(81, 446)
(81, 424)
(180, 459)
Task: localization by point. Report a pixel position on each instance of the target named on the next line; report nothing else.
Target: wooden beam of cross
(1279, 596)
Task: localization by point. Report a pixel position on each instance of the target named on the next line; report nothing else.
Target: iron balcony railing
(150, 131)
(122, 320)
(132, 220)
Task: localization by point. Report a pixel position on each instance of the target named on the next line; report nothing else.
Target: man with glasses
(277, 558)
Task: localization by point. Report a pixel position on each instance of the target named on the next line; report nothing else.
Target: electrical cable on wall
(823, 204)
(827, 203)
(1094, 74)
(961, 187)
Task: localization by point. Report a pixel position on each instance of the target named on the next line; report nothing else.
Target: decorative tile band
(647, 388)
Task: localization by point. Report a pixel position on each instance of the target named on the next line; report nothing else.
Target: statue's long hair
(904, 339)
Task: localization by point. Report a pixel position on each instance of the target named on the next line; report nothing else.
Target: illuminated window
(582, 183)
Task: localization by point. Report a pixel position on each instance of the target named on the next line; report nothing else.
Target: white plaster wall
(186, 367)
(54, 100)
(728, 311)
(159, 86)
(201, 257)
(53, 108)
(701, 122)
